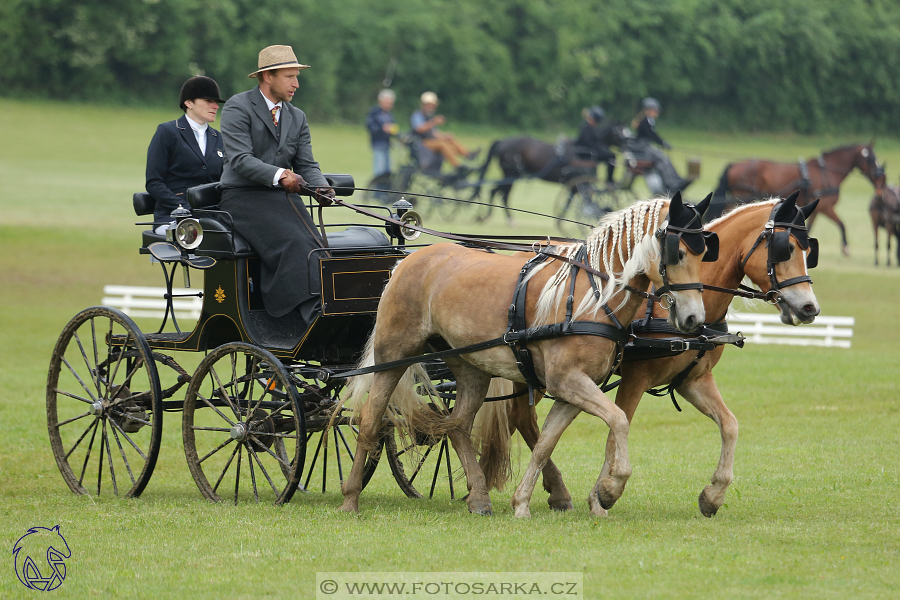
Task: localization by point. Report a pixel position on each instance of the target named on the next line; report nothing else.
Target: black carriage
(261, 411)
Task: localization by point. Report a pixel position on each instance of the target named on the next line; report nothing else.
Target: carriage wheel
(424, 466)
(382, 189)
(426, 185)
(104, 404)
(583, 201)
(240, 401)
(331, 450)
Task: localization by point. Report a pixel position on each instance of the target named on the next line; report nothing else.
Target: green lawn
(813, 511)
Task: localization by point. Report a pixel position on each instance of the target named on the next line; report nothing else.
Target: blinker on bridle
(778, 244)
(696, 239)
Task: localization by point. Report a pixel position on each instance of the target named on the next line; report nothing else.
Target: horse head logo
(40, 558)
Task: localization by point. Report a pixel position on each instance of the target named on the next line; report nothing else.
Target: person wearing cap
(425, 123)
(268, 162)
(646, 135)
(185, 152)
(381, 126)
(590, 144)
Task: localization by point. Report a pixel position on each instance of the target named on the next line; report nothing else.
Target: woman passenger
(185, 152)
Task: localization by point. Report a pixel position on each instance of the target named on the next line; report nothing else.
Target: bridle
(669, 237)
(779, 250)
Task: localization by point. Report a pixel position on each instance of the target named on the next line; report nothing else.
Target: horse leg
(471, 388)
(875, 227)
(505, 199)
(628, 396)
(373, 410)
(828, 211)
(523, 418)
(559, 417)
(704, 395)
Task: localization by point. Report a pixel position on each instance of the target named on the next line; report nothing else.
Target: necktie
(275, 115)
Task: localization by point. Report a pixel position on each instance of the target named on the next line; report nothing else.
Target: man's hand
(292, 182)
(324, 196)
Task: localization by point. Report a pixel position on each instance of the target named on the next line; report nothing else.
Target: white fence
(833, 332)
(150, 301)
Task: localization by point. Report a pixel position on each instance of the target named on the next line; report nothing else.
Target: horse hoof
(349, 508)
(484, 512)
(845, 250)
(561, 505)
(606, 497)
(594, 506)
(707, 508)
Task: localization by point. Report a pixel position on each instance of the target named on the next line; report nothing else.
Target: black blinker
(669, 250)
(712, 246)
(780, 247)
(812, 255)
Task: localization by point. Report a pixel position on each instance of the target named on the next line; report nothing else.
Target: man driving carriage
(265, 137)
(425, 123)
(590, 143)
(646, 135)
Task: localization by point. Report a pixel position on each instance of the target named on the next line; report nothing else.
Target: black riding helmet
(199, 87)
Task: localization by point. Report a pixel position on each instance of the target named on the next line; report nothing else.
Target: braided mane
(625, 236)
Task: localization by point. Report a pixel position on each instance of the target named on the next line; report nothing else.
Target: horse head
(682, 247)
(867, 163)
(785, 253)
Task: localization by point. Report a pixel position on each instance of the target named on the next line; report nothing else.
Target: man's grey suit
(275, 223)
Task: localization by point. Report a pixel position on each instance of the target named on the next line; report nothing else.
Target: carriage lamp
(407, 216)
(188, 233)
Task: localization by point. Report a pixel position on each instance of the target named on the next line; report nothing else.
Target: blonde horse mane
(626, 236)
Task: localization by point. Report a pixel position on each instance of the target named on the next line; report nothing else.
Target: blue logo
(40, 558)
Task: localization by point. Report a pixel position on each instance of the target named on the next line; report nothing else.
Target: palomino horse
(520, 157)
(449, 296)
(819, 177)
(885, 213)
(745, 249)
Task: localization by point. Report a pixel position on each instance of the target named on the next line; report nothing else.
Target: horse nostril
(810, 309)
(690, 323)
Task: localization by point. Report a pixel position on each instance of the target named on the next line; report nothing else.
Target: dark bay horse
(520, 157)
(449, 296)
(738, 231)
(885, 213)
(819, 177)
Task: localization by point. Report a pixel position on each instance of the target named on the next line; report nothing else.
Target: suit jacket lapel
(262, 110)
(189, 138)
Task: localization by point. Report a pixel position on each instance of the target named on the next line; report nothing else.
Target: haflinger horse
(884, 211)
(766, 242)
(450, 296)
(819, 177)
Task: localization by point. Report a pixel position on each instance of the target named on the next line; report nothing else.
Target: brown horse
(738, 233)
(819, 177)
(449, 296)
(885, 213)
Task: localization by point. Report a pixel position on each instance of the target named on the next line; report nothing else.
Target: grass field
(813, 511)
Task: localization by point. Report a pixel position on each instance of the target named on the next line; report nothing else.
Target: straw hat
(276, 57)
(429, 98)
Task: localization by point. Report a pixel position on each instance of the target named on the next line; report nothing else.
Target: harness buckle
(666, 300)
(679, 345)
(773, 296)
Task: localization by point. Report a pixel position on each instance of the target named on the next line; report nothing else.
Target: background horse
(449, 296)
(737, 233)
(520, 157)
(819, 177)
(885, 213)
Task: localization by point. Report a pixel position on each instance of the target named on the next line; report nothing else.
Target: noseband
(778, 244)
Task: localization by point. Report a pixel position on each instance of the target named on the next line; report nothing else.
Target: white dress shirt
(199, 133)
(270, 106)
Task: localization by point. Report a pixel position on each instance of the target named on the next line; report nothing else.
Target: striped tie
(275, 115)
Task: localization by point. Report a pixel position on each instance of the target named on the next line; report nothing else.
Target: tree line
(802, 65)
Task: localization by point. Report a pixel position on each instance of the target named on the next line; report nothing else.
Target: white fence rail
(150, 301)
(832, 332)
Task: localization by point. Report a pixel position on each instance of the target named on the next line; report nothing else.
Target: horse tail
(723, 187)
(491, 436)
(415, 405)
(487, 162)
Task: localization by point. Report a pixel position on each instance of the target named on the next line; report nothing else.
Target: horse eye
(681, 255)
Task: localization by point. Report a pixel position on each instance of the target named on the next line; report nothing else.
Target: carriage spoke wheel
(104, 404)
(240, 402)
(585, 201)
(424, 466)
(331, 448)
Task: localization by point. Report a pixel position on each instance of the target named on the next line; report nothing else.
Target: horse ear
(675, 206)
(809, 208)
(786, 210)
(701, 208)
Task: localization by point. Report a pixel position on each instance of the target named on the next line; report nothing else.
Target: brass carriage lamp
(403, 212)
(187, 235)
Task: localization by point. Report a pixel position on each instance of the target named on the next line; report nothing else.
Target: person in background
(644, 125)
(425, 123)
(590, 144)
(381, 126)
(268, 161)
(185, 152)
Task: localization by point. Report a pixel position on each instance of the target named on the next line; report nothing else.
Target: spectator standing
(381, 125)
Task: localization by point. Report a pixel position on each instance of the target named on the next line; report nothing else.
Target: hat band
(290, 62)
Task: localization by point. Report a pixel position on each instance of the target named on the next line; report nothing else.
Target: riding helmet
(596, 113)
(199, 87)
(649, 103)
